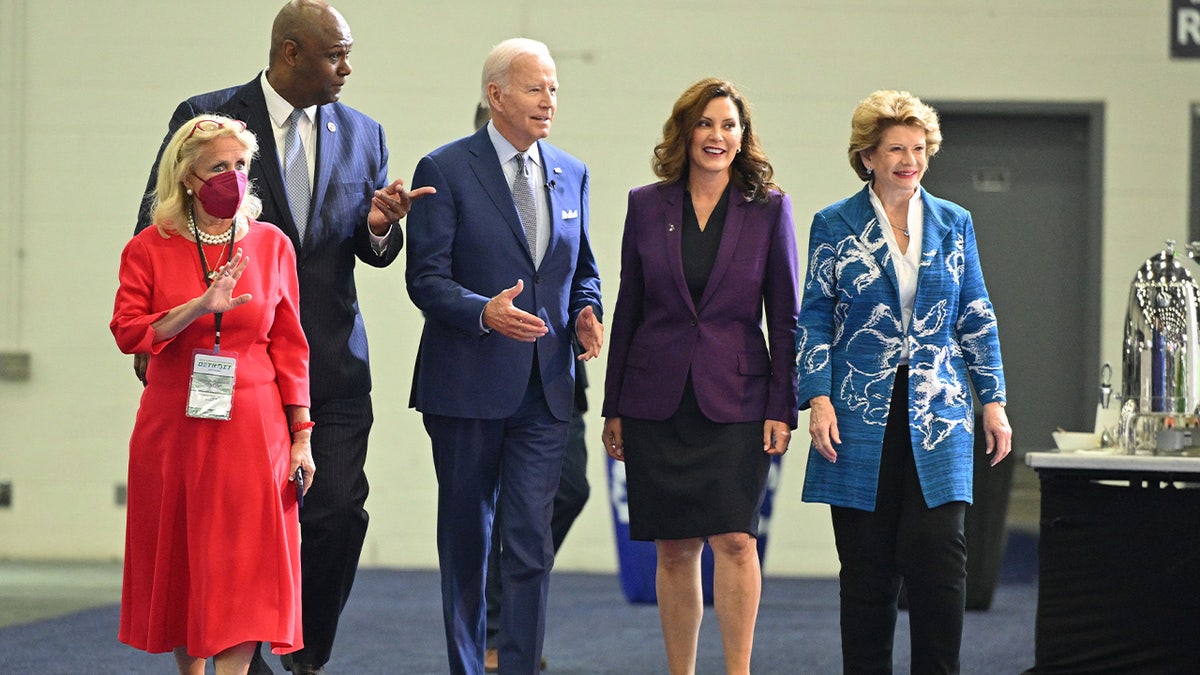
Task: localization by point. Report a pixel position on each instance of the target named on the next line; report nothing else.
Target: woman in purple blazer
(696, 397)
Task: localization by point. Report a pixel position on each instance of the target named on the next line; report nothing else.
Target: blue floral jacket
(849, 338)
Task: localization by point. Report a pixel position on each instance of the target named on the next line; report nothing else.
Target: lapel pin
(331, 127)
(670, 227)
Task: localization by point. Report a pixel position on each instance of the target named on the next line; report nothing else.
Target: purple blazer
(659, 335)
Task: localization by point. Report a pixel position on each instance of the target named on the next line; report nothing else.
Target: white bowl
(1076, 440)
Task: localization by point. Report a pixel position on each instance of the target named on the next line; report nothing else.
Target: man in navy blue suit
(500, 263)
(348, 212)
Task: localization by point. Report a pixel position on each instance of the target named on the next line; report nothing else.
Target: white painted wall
(87, 87)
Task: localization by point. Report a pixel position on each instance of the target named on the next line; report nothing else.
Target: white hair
(498, 65)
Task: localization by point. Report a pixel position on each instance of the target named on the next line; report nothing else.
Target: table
(1119, 563)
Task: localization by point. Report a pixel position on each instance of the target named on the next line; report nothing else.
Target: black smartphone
(300, 487)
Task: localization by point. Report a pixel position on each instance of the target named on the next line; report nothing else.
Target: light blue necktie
(295, 174)
(526, 205)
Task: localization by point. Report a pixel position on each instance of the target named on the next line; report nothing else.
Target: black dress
(688, 476)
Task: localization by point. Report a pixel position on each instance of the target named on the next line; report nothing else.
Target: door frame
(1093, 249)
(1194, 178)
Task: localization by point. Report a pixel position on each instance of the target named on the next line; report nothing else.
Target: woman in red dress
(212, 542)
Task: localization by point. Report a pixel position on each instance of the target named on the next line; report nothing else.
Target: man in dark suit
(326, 188)
(569, 500)
(499, 261)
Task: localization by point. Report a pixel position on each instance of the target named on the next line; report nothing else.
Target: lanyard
(208, 279)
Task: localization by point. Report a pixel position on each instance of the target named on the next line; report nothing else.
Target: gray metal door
(1031, 179)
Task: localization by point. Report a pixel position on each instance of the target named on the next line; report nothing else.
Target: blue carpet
(393, 625)
(1020, 560)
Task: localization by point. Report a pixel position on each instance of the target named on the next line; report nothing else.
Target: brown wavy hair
(751, 171)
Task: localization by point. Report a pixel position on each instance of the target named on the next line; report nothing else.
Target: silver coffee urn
(1160, 389)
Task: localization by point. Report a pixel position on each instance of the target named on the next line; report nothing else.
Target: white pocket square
(569, 214)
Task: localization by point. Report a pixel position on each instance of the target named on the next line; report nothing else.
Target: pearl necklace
(211, 239)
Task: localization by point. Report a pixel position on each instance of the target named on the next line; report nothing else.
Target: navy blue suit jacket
(466, 245)
(351, 163)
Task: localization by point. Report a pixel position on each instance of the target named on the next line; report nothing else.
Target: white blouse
(907, 264)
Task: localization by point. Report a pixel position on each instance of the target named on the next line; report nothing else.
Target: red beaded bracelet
(303, 426)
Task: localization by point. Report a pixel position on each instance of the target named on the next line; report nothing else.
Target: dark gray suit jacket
(351, 164)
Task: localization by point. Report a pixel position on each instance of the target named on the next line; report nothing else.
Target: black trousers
(902, 539)
(333, 521)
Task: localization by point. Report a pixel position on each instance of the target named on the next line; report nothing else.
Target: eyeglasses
(211, 125)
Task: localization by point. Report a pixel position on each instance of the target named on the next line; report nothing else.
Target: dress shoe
(258, 666)
(292, 666)
(491, 661)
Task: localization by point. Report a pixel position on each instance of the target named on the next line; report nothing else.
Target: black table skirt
(1119, 582)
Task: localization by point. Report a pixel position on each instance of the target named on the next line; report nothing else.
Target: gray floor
(35, 590)
(390, 626)
(388, 629)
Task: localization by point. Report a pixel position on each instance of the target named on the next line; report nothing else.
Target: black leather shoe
(290, 665)
(258, 666)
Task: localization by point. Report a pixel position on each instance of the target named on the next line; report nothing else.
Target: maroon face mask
(222, 194)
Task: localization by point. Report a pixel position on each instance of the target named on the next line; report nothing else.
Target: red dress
(212, 538)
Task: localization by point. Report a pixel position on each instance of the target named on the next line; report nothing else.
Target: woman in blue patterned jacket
(894, 329)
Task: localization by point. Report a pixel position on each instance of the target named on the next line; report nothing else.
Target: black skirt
(689, 477)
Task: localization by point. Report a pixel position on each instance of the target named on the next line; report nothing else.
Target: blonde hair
(172, 203)
(751, 172)
(883, 110)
